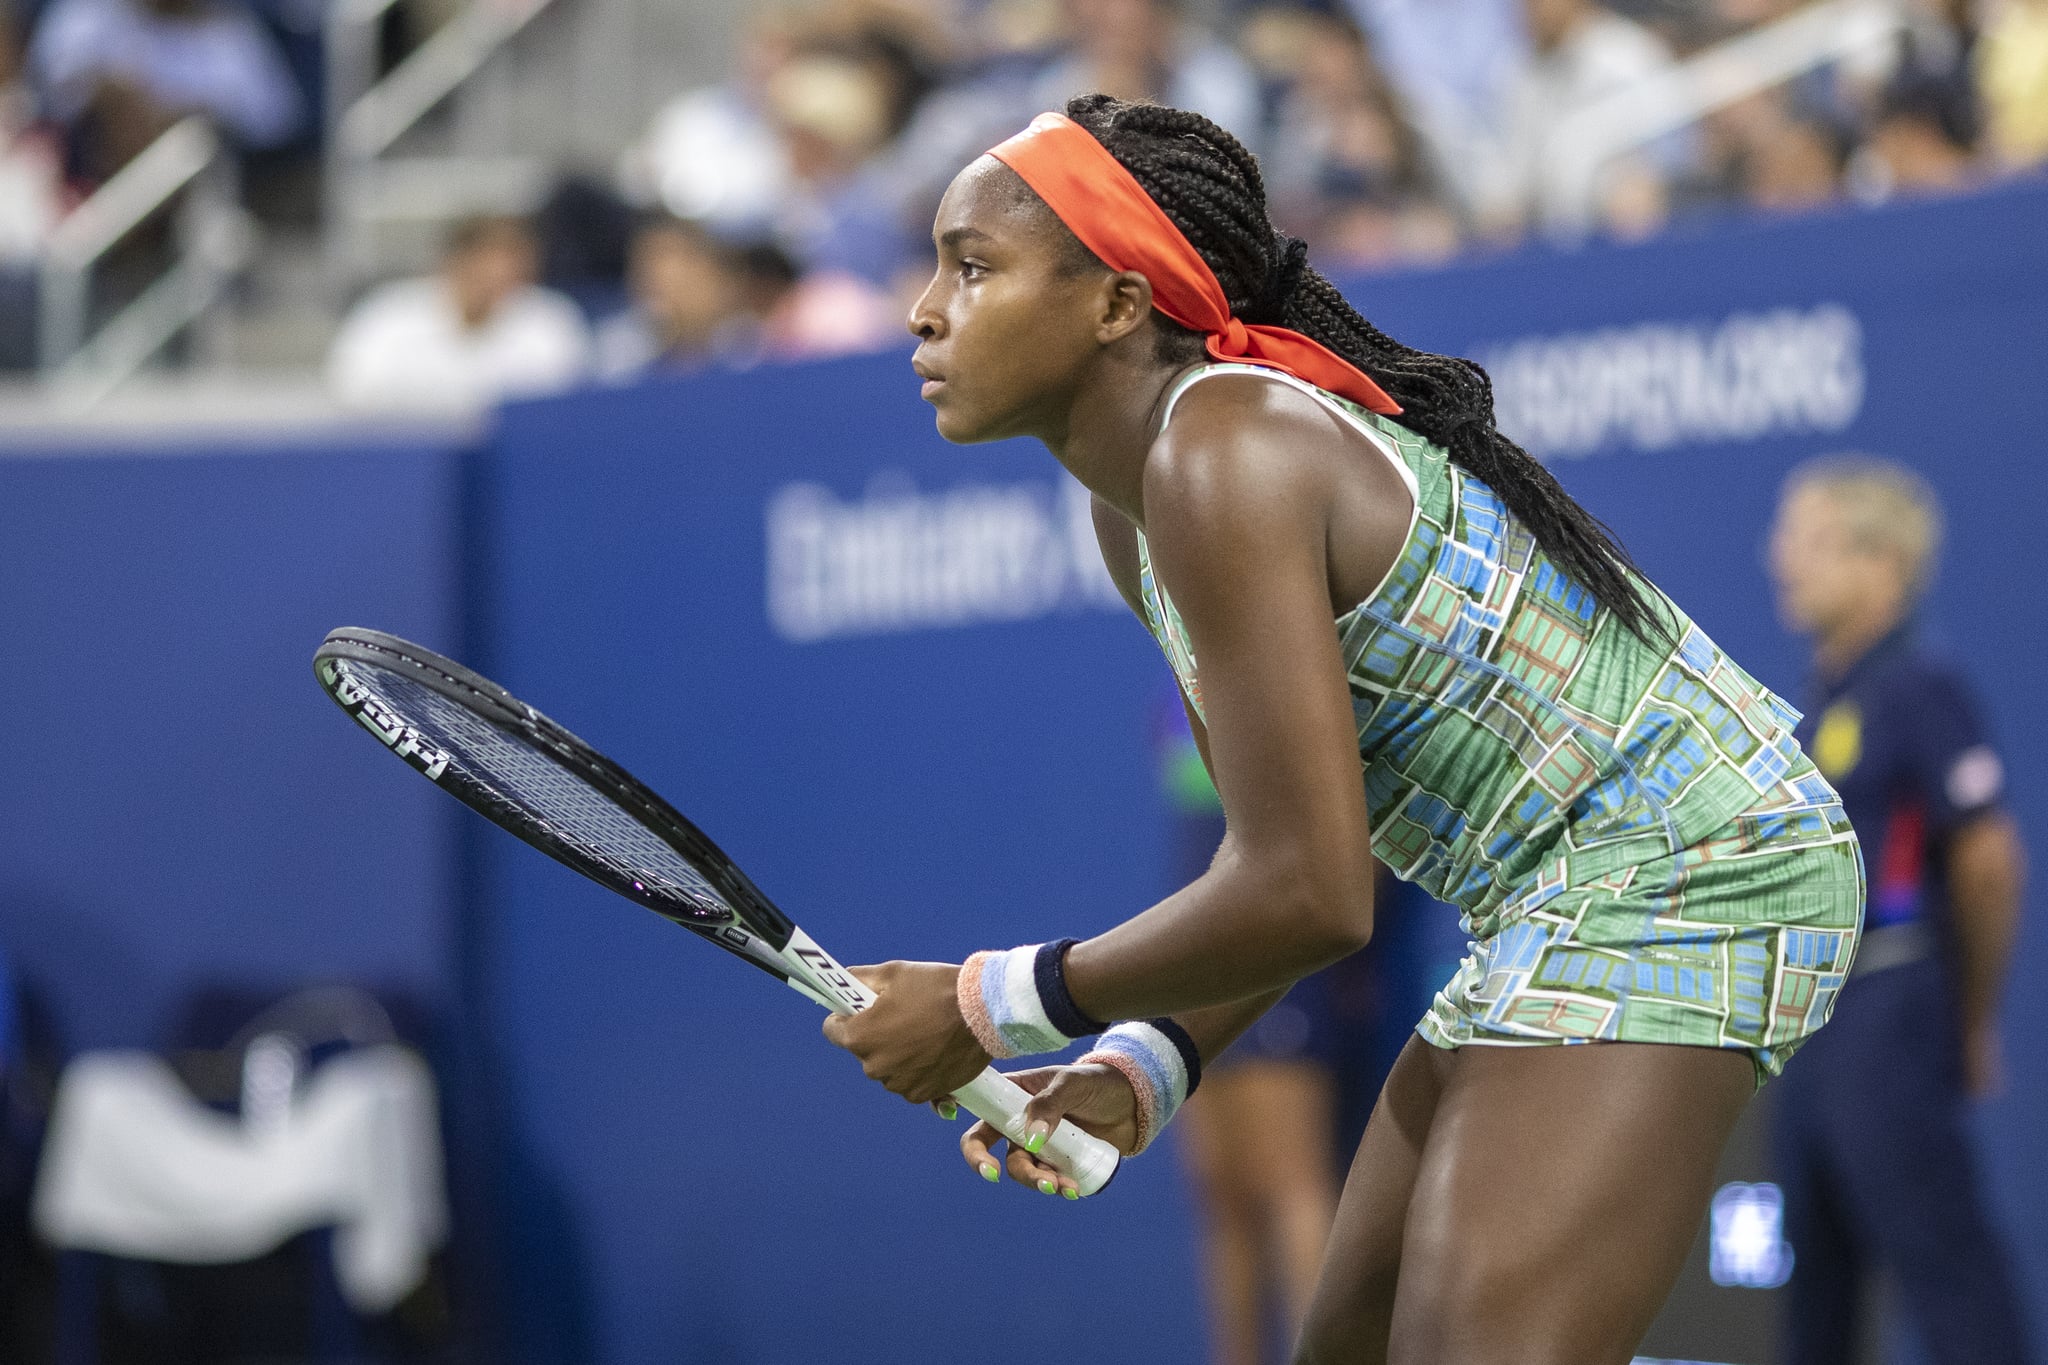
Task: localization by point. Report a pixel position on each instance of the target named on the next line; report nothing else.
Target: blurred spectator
(2012, 73)
(767, 283)
(117, 73)
(1872, 1129)
(797, 149)
(1147, 49)
(1454, 63)
(828, 313)
(31, 170)
(836, 106)
(712, 154)
(687, 307)
(1762, 154)
(1930, 64)
(32, 198)
(586, 234)
(1345, 169)
(1581, 53)
(1798, 167)
(1912, 149)
(479, 330)
(1937, 58)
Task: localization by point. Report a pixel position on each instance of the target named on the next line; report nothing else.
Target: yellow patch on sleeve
(1838, 740)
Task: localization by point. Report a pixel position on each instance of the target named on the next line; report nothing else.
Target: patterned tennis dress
(1638, 846)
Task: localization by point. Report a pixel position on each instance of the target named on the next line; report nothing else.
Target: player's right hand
(1096, 1098)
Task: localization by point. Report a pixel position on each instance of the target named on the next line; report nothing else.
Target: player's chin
(960, 425)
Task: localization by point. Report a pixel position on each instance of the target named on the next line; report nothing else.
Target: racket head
(535, 779)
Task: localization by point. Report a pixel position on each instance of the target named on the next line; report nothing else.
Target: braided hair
(1210, 186)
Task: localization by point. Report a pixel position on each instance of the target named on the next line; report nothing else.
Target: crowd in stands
(785, 211)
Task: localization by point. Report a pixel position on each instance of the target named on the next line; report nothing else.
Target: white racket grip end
(1087, 1158)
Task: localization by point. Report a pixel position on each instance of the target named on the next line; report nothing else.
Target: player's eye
(970, 269)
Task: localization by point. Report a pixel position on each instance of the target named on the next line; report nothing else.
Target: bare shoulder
(1244, 448)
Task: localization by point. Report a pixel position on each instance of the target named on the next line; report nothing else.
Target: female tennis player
(1397, 635)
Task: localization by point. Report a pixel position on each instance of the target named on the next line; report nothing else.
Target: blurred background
(565, 337)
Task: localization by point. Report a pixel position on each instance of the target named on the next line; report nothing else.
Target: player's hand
(912, 1039)
(1095, 1097)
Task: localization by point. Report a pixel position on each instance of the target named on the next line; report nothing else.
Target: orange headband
(1105, 206)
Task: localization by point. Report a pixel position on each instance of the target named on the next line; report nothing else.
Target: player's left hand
(912, 1039)
(1095, 1098)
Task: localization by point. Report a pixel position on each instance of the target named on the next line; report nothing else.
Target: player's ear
(1125, 303)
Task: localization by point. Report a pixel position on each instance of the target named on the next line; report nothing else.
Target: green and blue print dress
(1638, 846)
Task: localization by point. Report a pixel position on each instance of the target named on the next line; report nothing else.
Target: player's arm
(1237, 521)
(1217, 1027)
(1986, 872)
(1238, 517)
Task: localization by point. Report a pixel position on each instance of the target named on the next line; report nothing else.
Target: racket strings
(536, 791)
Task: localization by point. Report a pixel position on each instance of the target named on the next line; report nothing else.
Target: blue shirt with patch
(1903, 740)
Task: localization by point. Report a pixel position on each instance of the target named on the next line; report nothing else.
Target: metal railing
(1593, 136)
(214, 238)
(367, 117)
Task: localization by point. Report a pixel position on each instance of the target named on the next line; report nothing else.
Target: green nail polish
(989, 1172)
(1071, 1193)
(1047, 1187)
(1034, 1143)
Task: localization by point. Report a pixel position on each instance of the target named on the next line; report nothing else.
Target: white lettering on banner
(1663, 384)
(896, 559)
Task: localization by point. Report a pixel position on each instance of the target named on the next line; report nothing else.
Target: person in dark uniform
(1871, 1136)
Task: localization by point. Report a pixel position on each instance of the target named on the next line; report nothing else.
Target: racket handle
(1087, 1158)
(991, 1095)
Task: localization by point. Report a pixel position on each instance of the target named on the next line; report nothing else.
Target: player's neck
(1110, 427)
(1843, 644)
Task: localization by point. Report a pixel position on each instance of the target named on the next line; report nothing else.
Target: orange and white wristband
(1016, 1002)
(1160, 1061)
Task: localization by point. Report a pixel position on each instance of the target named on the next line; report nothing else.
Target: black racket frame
(754, 912)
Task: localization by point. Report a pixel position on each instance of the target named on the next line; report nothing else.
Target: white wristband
(1016, 1002)
(1160, 1061)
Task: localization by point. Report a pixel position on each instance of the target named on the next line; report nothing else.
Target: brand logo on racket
(831, 975)
(381, 721)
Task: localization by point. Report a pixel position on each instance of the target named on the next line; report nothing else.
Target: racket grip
(1087, 1158)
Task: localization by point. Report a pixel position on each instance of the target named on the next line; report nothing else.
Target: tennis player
(1395, 634)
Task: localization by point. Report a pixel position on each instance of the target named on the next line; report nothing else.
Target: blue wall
(173, 812)
(882, 672)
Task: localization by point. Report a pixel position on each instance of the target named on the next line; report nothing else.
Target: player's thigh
(1558, 1195)
(1353, 1306)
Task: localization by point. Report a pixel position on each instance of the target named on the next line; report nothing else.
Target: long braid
(1209, 185)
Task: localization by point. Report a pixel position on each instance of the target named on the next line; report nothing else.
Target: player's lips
(933, 381)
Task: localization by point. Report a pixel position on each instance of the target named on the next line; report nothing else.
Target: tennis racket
(509, 762)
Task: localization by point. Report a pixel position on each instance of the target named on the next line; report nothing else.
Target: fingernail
(989, 1172)
(1071, 1193)
(949, 1111)
(1047, 1187)
(1035, 1139)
